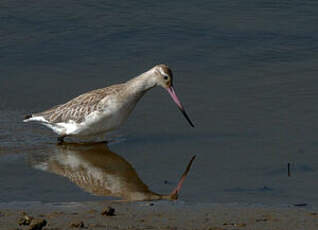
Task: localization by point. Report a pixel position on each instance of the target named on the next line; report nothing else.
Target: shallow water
(246, 72)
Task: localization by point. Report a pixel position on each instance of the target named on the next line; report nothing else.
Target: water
(246, 72)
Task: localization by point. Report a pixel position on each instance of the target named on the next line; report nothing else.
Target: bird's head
(163, 75)
(164, 78)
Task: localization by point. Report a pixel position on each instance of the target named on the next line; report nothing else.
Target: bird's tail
(27, 117)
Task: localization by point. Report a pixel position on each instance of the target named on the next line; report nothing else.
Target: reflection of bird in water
(97, 170)
(105, 109)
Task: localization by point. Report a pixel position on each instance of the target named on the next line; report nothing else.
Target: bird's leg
(60, 139)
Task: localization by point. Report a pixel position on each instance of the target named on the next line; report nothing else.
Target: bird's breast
(108, 118)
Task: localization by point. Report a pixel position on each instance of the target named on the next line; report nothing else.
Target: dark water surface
(246, 72)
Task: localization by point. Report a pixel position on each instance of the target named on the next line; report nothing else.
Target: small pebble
(108, 212)
(37, 224)
(79, 224)
(25, 220)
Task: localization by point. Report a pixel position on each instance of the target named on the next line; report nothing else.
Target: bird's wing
(79, 107)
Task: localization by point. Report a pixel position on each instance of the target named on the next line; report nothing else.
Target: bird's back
(79, 107)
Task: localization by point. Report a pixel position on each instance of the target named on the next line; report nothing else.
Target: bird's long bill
(178, 102)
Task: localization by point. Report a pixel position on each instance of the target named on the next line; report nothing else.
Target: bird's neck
(142, 83)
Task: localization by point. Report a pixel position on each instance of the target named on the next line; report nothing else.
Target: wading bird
(103, 110)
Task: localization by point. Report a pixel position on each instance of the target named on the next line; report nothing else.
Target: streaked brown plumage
(80, 107)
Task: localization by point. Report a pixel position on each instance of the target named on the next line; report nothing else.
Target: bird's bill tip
(187, 117)
(178, 102)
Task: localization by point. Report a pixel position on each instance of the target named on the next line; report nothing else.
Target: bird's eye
(165, 77)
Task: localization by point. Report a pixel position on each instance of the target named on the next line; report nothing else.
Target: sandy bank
(154, 215)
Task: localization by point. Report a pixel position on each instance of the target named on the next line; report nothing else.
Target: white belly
(97, 122)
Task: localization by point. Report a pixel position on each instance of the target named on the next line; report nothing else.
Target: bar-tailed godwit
(105, 109)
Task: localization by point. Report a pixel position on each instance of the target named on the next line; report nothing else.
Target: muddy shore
(154, 215)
